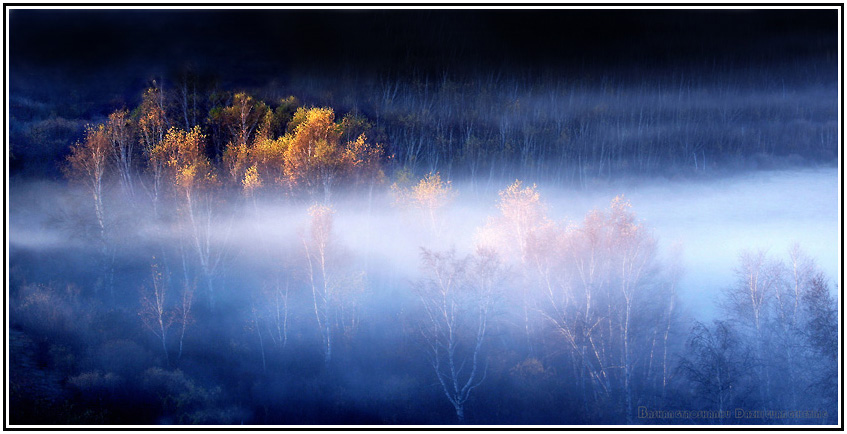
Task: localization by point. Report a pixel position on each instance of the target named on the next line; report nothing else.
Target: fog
(264, 313)
(713, 221)
(410, 217)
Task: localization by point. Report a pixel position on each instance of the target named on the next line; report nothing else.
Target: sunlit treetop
(152, 121)
(431, 192)
(184, 154)
(87, 160)
(522, 206)
(522, 227)
(317, 156)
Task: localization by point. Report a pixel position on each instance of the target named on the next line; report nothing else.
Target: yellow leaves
(184, 154)
(364, 158)
(251, 180)
(235, 159)
(432, 192)
(268, 155)
(185, 176)
(151, 121)
(313, 147)
(316, 154)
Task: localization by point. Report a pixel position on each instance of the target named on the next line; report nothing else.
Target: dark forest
(422, 217)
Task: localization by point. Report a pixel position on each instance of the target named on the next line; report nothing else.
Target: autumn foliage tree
(267, 155)
(152, 127)
(524, 235)
(592, 284)
(240, 119)
(317, 159)
(86, 165)
(194, 180)
(428, 197)
(522, 219)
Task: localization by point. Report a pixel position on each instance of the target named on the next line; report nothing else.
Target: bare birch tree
(154, 312)
(458, 296)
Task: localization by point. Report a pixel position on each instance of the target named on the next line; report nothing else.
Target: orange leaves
(428, 196)
(235, 160)
(431, 192)
(364, 159)
(87, 160)
(118, 126)
(151, 121)
(268, 155)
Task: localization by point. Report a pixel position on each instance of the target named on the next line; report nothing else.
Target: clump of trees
(244, 145)
(591, 291)
(775, 344)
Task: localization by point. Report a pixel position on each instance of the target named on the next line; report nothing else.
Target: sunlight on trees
(317, 159)
(429, 197)
(240, 120)
(268, 153)
(523, 217)
(314, 156)
(529, 317)
(152, 125)
(87, 165)
(194, 180)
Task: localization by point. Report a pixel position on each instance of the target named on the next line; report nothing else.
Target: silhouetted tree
(458, 296)
(154, 313)
(719, 366)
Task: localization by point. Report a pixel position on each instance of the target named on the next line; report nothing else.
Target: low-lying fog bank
(712, 220)
(222, 315)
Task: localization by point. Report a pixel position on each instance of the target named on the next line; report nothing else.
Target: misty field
(404, 226)
(425, 303)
